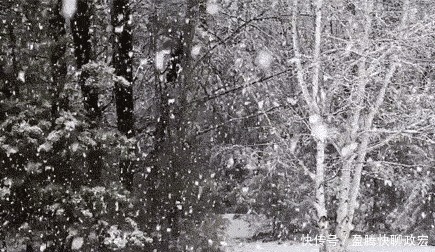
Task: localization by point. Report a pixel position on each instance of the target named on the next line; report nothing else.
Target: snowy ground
(240, 228)
(285, 247)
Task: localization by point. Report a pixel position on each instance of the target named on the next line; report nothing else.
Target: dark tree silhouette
(82, 50)
(122, 62)
(58, 65)
(80, 25)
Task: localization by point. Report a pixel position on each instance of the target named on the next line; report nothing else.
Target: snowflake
(196, 50)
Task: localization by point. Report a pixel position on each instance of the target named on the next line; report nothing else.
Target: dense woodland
(133, 125)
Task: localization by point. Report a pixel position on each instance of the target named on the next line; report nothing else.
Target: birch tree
(318, 127)
(375, 65)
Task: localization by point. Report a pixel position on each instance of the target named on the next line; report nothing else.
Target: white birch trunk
(344, 220)
(362, 152)
(299, 70)
(320, 191)
(358, 123)
(365, 139)
(314, 110)
(318, 127)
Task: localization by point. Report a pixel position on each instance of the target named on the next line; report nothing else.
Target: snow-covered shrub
(45, 171)
(206, 234)
(255, 181)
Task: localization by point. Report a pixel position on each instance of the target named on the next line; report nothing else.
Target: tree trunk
(122, 62)
(320, 204)
(167, 159)
(82, 51)
(9, 72)
(80, 25)
(14, 87)
(58, 65)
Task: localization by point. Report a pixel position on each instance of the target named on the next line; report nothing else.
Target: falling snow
(69, 8)
(264, 59)
(160, 59)
(218, 126)
(196, 50)
(119, 29)
(77, 243)
(21, 76)
(318, 128)
(348, 149)
(212, 8)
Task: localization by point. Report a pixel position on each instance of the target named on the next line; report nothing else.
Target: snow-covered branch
(300, 73)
